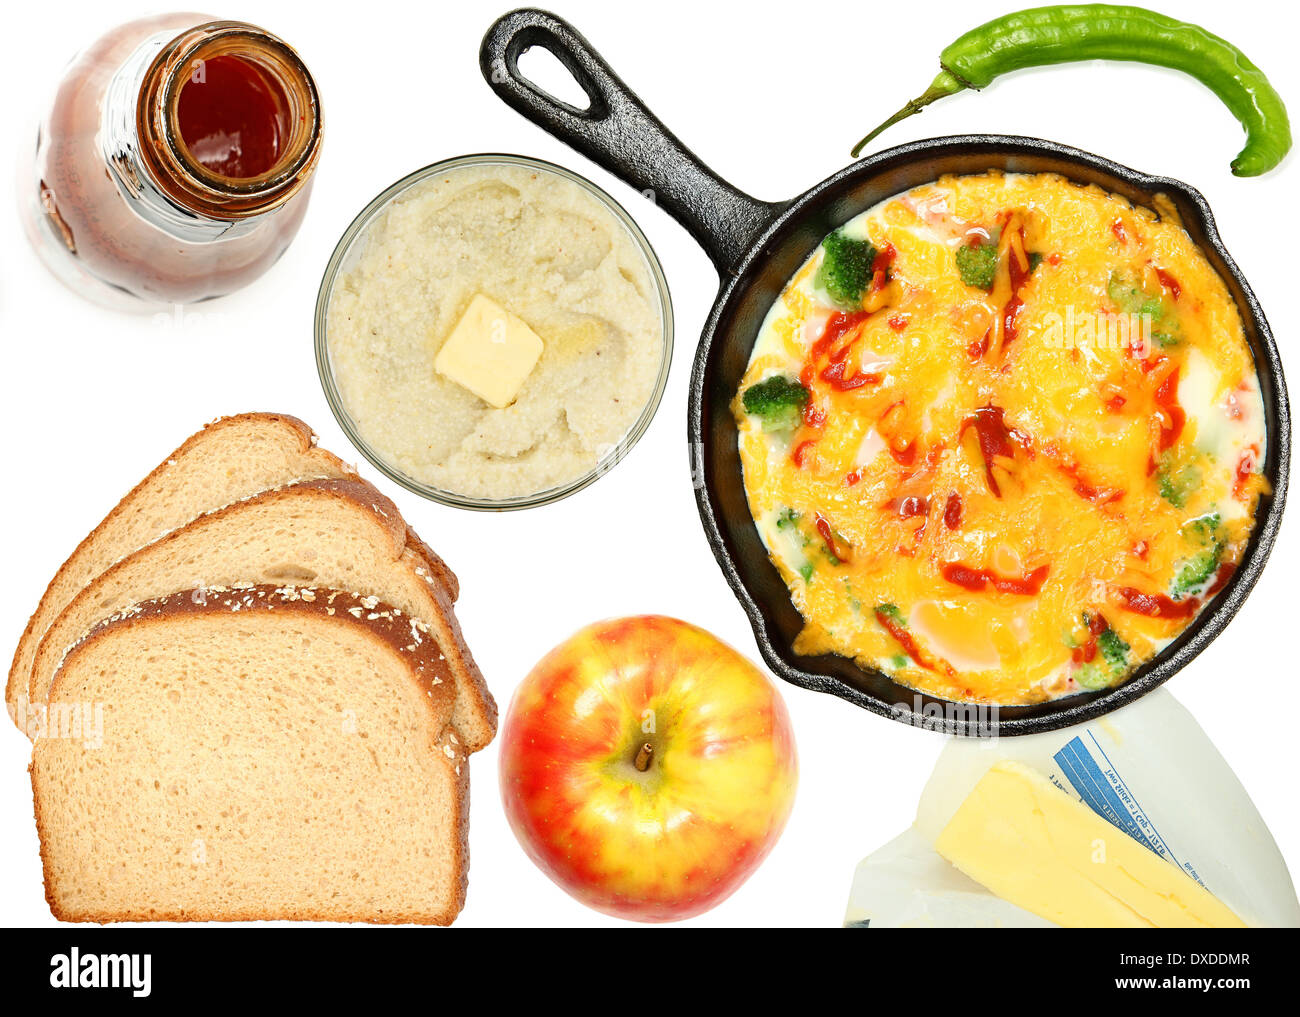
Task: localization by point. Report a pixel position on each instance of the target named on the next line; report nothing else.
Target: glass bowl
(350, 246)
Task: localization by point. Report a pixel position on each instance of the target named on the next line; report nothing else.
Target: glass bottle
(175, 162)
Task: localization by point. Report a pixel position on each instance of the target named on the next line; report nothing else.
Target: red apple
(647, 768)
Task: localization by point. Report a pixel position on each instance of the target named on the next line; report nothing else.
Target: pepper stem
(943, 85)
(643, 757)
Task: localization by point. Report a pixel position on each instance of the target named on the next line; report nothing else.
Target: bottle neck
(169, 174)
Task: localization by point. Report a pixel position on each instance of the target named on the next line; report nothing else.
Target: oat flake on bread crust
(410, 637)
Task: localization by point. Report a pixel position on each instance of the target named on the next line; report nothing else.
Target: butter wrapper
(1148, 769)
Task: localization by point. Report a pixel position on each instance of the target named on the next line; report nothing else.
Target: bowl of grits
(493, 332)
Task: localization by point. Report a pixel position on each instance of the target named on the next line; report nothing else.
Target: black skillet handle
(619, 133)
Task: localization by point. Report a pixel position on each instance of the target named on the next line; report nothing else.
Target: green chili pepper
(1054, 35)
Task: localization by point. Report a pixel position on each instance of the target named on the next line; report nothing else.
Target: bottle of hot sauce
(175, 163)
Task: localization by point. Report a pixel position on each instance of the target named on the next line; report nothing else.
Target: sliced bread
(260, 753)
(342, 534)
(230, 459)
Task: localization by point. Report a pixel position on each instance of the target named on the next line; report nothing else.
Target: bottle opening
(232, 120)
(233, 117)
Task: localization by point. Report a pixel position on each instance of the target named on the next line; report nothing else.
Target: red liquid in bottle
(233, 118)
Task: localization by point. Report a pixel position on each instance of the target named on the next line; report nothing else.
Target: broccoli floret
(1114, 651)
(1126, 293)
(778, 401)
(1177, 480)
(1204, 529)
(1197, 571)
(793, 539)
(1093, 676)
(900, 661)
(1172, 491)
(1035, 259)
(1111, 661)
(846, 268)
(978, 265)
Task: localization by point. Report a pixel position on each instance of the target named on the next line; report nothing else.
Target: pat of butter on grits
(490, 352)
(1034, 845)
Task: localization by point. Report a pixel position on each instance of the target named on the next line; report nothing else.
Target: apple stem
(643, 757)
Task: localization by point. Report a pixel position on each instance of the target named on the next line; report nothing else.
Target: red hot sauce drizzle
(841, 550)
(835, 375)
(996, 440)
(1088, 491)
(1017, 274)
(979, 579)
(952, 511)
(911, 507)
(1169, 283)
(1156, 605)
(838, 325)
(1011, 311)
(833, 346)
(905, 456)
(906, 640)
(1086, 651)
(1173, 418)
(838, 339)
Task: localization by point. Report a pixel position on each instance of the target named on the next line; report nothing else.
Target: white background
(773, 101)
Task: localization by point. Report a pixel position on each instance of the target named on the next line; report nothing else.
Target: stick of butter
(490, 352)
(1034, 845)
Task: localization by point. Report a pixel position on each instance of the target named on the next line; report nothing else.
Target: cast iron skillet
(756, 246)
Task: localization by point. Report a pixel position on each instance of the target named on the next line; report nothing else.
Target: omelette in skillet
(1001, 436)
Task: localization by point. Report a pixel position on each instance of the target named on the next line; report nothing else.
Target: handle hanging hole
(542, 69)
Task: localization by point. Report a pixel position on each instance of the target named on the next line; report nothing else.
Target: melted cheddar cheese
(1010, 492)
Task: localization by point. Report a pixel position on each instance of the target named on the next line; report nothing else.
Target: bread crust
(406, 637)
(480, 727)
(477, 712)
(19, 678)
(437, 567)
(356, 491)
